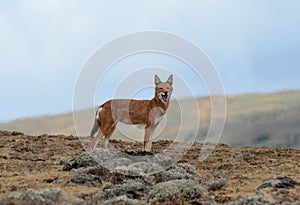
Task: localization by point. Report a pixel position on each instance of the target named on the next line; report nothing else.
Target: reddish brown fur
(148, 112)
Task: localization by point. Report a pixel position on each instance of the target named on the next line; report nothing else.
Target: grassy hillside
(252, 120)
(264, 120)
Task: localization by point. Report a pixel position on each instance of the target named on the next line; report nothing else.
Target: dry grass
(28, 162)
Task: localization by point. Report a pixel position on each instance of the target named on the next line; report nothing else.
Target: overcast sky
(254, 44)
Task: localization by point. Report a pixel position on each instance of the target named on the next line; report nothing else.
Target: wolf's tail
(94, 129)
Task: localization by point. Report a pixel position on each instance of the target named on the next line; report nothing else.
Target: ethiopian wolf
(129, 111)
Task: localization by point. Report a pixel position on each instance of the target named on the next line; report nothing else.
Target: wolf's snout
(165, 96)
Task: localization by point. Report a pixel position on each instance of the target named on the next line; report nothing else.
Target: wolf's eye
(160, 88)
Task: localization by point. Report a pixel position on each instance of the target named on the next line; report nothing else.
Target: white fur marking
(157, 120)
(161, 99)
(97, 114)
(105, 143)
(148, 148)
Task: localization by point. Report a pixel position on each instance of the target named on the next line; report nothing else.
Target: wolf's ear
(170, 79)
(156, 79)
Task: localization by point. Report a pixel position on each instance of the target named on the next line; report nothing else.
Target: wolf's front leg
(148, 146)
(147, 142)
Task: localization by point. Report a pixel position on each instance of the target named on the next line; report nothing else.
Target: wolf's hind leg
(107, 136)
(96, 140)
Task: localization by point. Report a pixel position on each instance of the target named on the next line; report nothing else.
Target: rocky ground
(57, 170)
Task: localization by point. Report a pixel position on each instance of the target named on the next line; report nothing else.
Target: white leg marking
(104, 143)
(149, 145)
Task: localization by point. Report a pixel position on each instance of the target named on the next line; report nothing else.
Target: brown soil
(31, 162)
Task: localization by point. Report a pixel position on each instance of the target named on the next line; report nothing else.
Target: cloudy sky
(254, 44)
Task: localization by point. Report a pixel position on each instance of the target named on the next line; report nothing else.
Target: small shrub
(16, 133)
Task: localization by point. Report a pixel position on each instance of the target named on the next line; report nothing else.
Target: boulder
(254, 200)
(86, 179)
(216, 184)
(176, 189)
(133, 189)
(176, 171)
(46, 196)
(136, 170)
(279, 182)
(123, 200)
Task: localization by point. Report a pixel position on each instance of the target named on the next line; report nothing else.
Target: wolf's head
(163, 90)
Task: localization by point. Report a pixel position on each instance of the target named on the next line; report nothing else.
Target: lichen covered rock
(46, 196)
(176, 189)
(254, 200)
